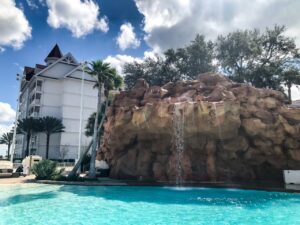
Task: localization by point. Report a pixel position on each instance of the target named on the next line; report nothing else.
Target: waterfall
(178, 129)
(218, 122)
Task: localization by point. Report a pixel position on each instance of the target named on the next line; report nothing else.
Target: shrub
(46, 170)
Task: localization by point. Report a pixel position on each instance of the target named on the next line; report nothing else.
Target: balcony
(35, 100)
(34, 111)
(34, 114)
(36, 88)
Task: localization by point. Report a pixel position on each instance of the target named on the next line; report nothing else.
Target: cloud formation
(80, 17)
(7, 113)
(14, 27)
(118, 61)
(32, 4)
(173, 23)
(127, 38)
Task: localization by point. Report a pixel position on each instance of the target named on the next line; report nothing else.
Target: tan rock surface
(228, 131)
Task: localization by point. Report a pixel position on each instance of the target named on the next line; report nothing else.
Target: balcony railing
(34, 114)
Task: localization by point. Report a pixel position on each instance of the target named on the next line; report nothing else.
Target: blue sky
(97, 45)
(120, 31)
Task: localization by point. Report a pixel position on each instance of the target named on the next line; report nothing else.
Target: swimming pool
(50, 204)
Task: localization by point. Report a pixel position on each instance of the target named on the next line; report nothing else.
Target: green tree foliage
(46, 170)
(28, 126)
(246, 56)
(255, 57)
(50, 125)
(7, 139)
(179, 64)
(236, 53)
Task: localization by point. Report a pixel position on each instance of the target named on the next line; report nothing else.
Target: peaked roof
(29, 72)
(55, 52)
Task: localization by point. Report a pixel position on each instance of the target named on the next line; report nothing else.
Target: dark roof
(39, 66)
(55, 52)
(29, 72)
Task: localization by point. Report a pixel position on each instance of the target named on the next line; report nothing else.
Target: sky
(120, 31)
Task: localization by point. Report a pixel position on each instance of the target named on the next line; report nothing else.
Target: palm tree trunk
(8, 150)
(47, 145)
(77, 165)
(290, 94)
(27, 144)
(92, 171)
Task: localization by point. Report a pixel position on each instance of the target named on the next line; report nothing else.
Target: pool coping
(245, 186)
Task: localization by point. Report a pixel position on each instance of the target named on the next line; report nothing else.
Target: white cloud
(14, 27)
(118, 61)
(21, 68)
(174, 23)
(80, 17)
(32, 4)
(127, 38)
(7, 113)
(102, 24)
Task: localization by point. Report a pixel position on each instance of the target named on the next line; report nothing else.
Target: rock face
(206, 129)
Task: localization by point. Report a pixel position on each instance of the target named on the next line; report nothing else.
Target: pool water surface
(50, 204)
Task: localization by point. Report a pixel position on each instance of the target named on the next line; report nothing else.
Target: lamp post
(18, 78)
(81, 111)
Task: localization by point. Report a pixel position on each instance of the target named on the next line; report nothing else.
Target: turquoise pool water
(45, 204)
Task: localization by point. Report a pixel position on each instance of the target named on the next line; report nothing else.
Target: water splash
(178, 129)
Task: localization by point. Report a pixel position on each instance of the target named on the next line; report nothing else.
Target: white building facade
(59, 89)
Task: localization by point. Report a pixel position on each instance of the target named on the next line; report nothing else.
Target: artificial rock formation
(206, 129)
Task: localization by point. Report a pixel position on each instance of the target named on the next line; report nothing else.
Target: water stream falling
(178, 129)
(218, 122)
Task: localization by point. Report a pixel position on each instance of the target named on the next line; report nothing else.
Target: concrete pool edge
(243, 186)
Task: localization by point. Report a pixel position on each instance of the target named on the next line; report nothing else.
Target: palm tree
(108, 79)
(105, 76)
(27, 127)
(7, 140)
(50, 125)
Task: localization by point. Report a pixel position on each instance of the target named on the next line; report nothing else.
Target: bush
(46, 170)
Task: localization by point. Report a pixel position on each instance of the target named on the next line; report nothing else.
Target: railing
(34, 114)
(34, 89)
(38, 88)
(65, 164)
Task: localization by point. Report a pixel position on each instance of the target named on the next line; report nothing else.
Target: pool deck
(266, 186)
(17, 180)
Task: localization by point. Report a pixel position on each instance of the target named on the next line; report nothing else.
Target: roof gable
(55, 53)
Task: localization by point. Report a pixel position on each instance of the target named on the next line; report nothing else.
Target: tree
(7, 139)
(290, 76)
(237, 52)
(27, 127)
(199, 57)
(180, 64)
(50, 125)
(106, 78)
(255, 57)
(153, 70)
